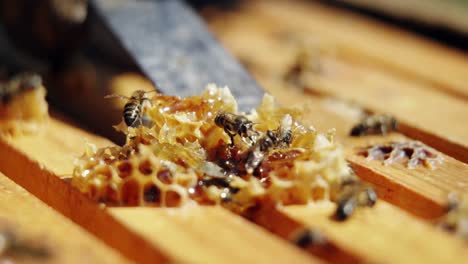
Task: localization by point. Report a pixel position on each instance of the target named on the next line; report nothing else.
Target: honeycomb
(183, 157)
(413, 153)
(23, 108)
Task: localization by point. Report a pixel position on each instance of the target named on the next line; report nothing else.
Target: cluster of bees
(352, 192)
(258, 146)
(219, 156)
(133, 115)
(255, 149)
(260, 143)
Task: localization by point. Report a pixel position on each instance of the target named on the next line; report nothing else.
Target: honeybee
(456, 218)
(133, 109)
(283, 134)
(279, 138)
(307, 61)
(275, 139)
(11, 246)
(18, 84)
(308, 237)
(374, 124)
(236, 125)
(215, 181)
(354, 194)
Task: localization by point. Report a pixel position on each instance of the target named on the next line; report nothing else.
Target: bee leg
(253, 137)
(252, 141)
(231, 136)
(232, 139)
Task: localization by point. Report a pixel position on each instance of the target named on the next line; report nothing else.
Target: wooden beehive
(371, 66)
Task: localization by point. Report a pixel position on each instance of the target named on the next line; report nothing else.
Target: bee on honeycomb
(187, 156)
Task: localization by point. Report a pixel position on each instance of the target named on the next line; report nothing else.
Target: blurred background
(68, 43)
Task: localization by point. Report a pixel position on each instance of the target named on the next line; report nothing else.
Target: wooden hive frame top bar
(134, 233)
(211, 234)
(421, 191)
(33, 220)
(146, 235)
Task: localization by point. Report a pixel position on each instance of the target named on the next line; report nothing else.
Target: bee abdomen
(132, 114)
(287, 138)
(268, 141)
(345, 208)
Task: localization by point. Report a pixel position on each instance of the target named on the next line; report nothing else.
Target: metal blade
(172, 46)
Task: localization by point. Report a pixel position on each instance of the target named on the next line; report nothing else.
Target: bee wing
(220, 112)
(116, 96)
(152, 91)
(149, 92)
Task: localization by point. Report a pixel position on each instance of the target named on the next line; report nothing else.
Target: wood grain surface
(143, 235)
(253, 38)
(208, 235)
(399, 237)
(365, 40)
(42, 227)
